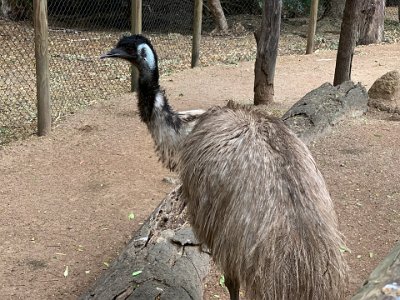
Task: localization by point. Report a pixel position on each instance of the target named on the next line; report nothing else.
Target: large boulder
(322, 108)
(384, 94)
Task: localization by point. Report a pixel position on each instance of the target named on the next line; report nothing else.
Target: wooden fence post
(312, 26)
(42, 66)
(197, 19)
(136, 28)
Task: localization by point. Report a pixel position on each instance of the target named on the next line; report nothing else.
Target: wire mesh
(17, 77)
(80, 30)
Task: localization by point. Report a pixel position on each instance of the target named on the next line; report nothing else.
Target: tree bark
(162, 261)
(347, 42)
(221, 25)
(372, 22)
(267, 39)
(382, 284)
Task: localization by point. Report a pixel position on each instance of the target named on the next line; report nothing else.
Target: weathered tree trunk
(221, 25)
(372, 23)
(335, 8)
(162, 261)
(267, 39)
(347, 42)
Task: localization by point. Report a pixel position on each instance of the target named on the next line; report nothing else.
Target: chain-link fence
(80, 30)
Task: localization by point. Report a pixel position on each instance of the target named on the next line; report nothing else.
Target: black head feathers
(137, 49)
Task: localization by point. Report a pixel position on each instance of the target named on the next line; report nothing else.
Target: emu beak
(116, 52)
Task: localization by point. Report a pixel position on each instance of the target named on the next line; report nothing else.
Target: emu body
(257, 199)
(254, 194)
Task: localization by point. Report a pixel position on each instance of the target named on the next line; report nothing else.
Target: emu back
(256, 198)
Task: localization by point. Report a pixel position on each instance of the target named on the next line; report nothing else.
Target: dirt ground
(66, 198)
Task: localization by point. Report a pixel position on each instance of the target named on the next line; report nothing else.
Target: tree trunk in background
(398, 10)
(15, 11)
(312, 25)
(7, 6)
(267, 39)
(372, 22)
(221, 25)
(335, 8)
(347, 41)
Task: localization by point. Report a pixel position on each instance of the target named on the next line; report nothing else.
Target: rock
(319, 110)
(384, 94)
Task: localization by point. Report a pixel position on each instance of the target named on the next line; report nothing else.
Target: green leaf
(131, 216)
(222, 281)
(136, 273)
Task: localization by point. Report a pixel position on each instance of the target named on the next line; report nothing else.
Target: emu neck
(163, 123)
(148, 89)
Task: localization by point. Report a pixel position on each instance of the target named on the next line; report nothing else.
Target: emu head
(138, 51)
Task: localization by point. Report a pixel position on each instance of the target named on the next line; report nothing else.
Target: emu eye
(143, 53)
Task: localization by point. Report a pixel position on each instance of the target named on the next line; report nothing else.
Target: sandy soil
(65, 198)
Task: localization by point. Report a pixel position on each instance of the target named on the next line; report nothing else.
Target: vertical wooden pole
(312, 26)
(42, 66)
(347, 41)
(136, 28)
(197, 19)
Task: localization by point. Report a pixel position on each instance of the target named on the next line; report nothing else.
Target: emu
(253, 191)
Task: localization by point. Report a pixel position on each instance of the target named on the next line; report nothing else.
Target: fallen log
(384, 281)
(164, 260)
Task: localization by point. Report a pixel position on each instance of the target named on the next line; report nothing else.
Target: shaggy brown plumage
(257, 199)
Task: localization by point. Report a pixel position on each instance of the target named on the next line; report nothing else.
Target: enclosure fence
(80, 31)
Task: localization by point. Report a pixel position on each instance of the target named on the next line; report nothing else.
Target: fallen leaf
(66, 271)
(222, 281)
(136, 273)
